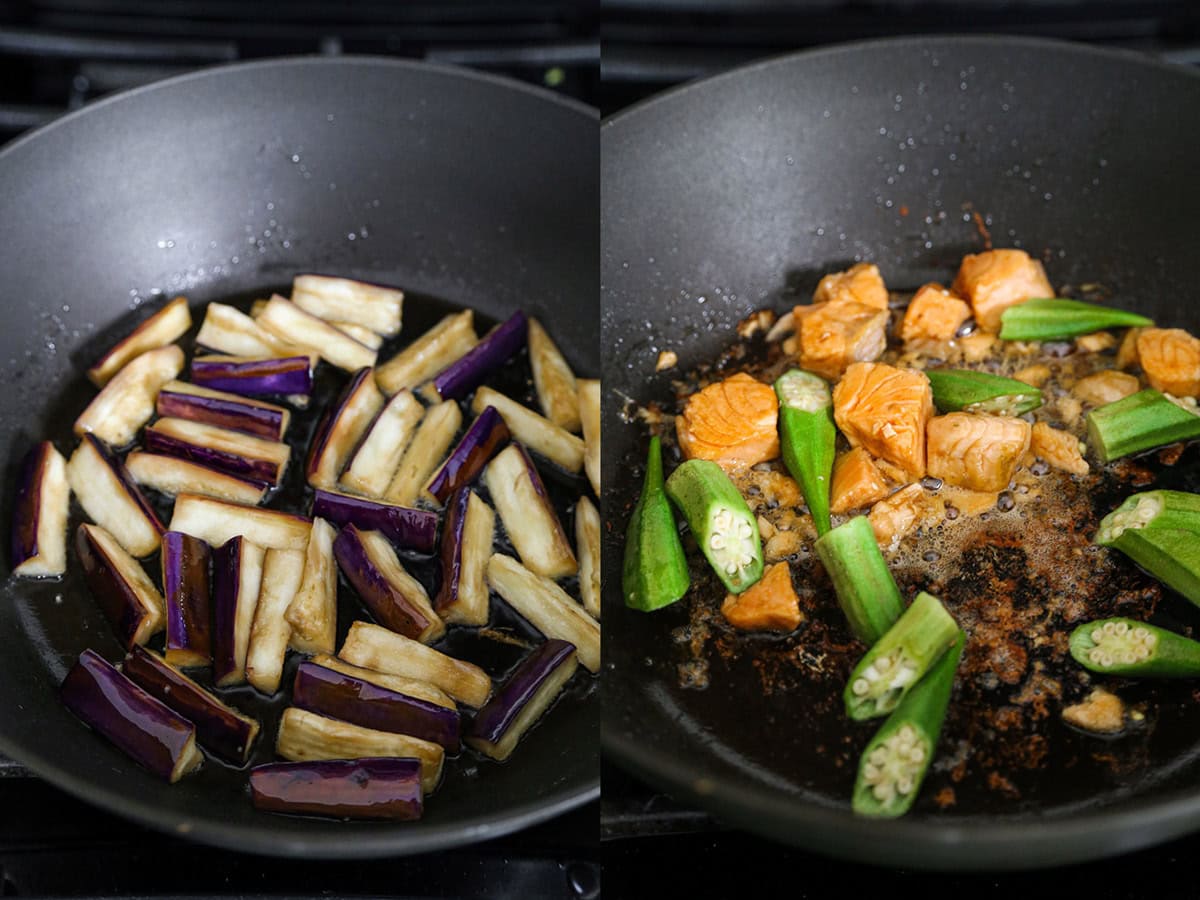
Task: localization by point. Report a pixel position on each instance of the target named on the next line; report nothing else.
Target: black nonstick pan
(463, 189)
(737, 193)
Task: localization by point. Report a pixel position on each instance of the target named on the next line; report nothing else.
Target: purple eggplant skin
(186, 565)
(492, 351)
(149, 731)
(128, 485)
(263, 471)
(493, 723)
(254, 377)
(231, 609)
(414, 529)
(452, 549)
(223, 731)
(118, 599)
(359, 702)
(386, 602)
(259, 419)
(33, 507)
(368, 788)
(325, 427)
(487, 434)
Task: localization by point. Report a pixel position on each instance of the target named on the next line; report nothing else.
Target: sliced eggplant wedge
(153, 734)
(546, 607)
(40, 510)
(466, 548)
(364, 336)
(439, 347)
(269, 635)
(413, 687)
(372, 788)
(164, 327)
(290, 376)
(529, 691)
(110, 498)
(236, 583)
(493, 350)
(552, 379)
(378, 456)
(180, 400)
(487, 434)
(232, 452)
(222, 730)
(305, 736)
(312, 614)
(120, 586)
(126, 403)
(528, 515)
(395, 598)
(289, 322)
(429, 445)
(371, 306)
(341, 428)
(186, 572)
(587, 548)
(412, 529)
(171, 475)
(536, 432)
(229, 330)
(373, 647)
(589, 416)
(216, 521)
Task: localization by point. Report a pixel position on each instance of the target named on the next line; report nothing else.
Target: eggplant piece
(186, 567)
(553, 379)
(373, 306)
(126, 403)
(269, 635)
(589, 416)
(413, 529)
(529, 691)
(229, 330)
(122, 589)
(493, 350)
(378, 456)
(364, 336)
(587, 548)
(413, 687)
(289, 322)
(164, 327)
(236, 583)
(222, 730)
(439, 347)
(369, 788)
(340, 696)
(373, 647)
(429, 445)
(395, 598)
(537, 432)
(231, 452)
(154, 735)
(466, 548)
(40, 510)
(485, 436)
(111, 499)
(528, 515)
(291, 376)
(312, 613)
(180, 400)
(546, 607)
(171, 475)
(340, 429)
(216, 521)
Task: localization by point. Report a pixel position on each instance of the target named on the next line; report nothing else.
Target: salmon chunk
(770, 605)
(1104, 387)
(934, 314)
(899, 514)
(857, 482)
(977, 452)
(1127, 352)
(861, 283)
(1170, 357)
(834, 335)
(1059, 448)
(995, 280)
(885, 410)
(731, 422)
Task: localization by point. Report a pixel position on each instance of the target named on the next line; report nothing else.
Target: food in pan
(249, 568)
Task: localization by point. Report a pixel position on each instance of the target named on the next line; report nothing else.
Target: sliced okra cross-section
(1160, 531)
(1134, 649)
(722, 523)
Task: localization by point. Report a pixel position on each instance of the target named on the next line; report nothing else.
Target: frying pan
(464, 189)
(736, 193)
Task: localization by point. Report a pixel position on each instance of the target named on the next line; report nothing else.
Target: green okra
(722, 523)
(655, 572)
(808, 438)
(865, 589)
(900, 658)
(896, 760)
(1160, 531)
(1126, 647)
(966, 390)
(1056, 319)
(1141, 421)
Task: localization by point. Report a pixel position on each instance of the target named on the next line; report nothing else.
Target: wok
(736, 193)
(464, 189)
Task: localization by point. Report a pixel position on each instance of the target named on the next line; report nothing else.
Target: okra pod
(965, 390)
(722, 523)
(1160, 531)
(807, 436)
(894, 763)
(1126, 647)
(655, 572)
(1139, 422)
(865, 589)
(1056, 319)
(900, 658)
